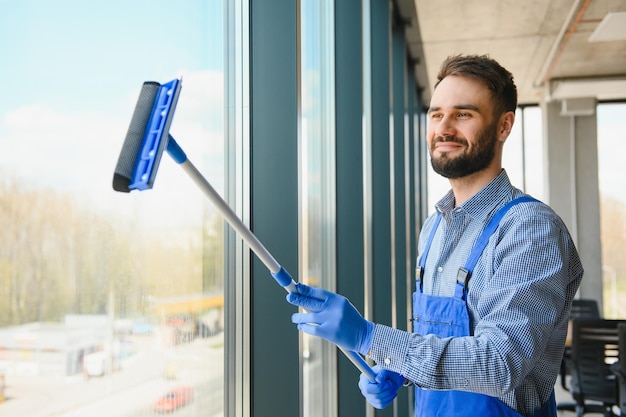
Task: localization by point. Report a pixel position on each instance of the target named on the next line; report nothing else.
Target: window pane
(611, 177)
(108, 301)
(317, 196)
(533, 151)
(512, 160)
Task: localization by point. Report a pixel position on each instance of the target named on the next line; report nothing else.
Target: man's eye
(463, 115)
(436, 116)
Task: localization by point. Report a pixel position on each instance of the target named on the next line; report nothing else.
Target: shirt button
(440, 269)
(387, 361)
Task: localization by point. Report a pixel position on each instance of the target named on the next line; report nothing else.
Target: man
(495, 279)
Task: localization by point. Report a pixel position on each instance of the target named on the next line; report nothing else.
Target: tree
(56, 258)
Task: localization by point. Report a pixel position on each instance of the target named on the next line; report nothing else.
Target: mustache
(453, 139)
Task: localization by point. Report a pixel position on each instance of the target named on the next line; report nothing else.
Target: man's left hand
(332, 317)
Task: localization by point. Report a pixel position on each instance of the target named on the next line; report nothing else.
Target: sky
(72, 72)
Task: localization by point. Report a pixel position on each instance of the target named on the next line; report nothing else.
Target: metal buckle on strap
(462, 277)
(419, 275)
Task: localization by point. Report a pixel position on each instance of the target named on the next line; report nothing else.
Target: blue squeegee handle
(278, 272)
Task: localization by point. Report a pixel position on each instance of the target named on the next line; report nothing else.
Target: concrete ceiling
(544, 43)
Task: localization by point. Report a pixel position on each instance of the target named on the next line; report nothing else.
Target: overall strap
(419, 273)
(465, 272)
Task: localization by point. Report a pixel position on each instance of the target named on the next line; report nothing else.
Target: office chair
(584, 308)
(581, 308)
(595, 347)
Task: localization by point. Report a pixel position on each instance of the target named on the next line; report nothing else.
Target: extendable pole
(278, 272)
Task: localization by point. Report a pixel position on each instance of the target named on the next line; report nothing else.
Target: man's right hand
(384, 390)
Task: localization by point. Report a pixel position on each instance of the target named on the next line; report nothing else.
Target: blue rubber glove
(382, 392)
(332, 317)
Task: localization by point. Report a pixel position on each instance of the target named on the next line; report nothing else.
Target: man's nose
(445, 127)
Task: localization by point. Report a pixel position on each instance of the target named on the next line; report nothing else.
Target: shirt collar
(481, 204)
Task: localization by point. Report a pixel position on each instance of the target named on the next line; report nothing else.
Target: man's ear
(506, 125)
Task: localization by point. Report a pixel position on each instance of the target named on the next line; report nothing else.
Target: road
(129, 392)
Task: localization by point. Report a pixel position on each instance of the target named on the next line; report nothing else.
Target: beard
(473, 160)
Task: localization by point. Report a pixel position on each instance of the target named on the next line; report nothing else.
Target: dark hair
(487, 71)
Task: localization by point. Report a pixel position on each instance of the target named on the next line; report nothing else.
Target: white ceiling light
(611, 28)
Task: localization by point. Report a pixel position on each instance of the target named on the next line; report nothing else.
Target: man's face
(462, 133)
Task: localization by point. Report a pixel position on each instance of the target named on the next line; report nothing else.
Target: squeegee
(148, 136)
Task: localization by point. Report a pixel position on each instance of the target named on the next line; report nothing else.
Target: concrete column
(571, 167)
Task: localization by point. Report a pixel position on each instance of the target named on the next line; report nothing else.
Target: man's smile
(447, 146)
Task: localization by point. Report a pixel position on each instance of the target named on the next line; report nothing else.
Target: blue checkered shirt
(519, 299)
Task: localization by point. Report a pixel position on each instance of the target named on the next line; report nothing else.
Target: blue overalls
(448, 316)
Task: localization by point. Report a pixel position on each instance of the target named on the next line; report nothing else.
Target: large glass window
(317, 191)
(612, 177)
(534, 159)
(108, 301)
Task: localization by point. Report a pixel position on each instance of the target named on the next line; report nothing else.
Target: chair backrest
(595, 347)
(584, 308)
